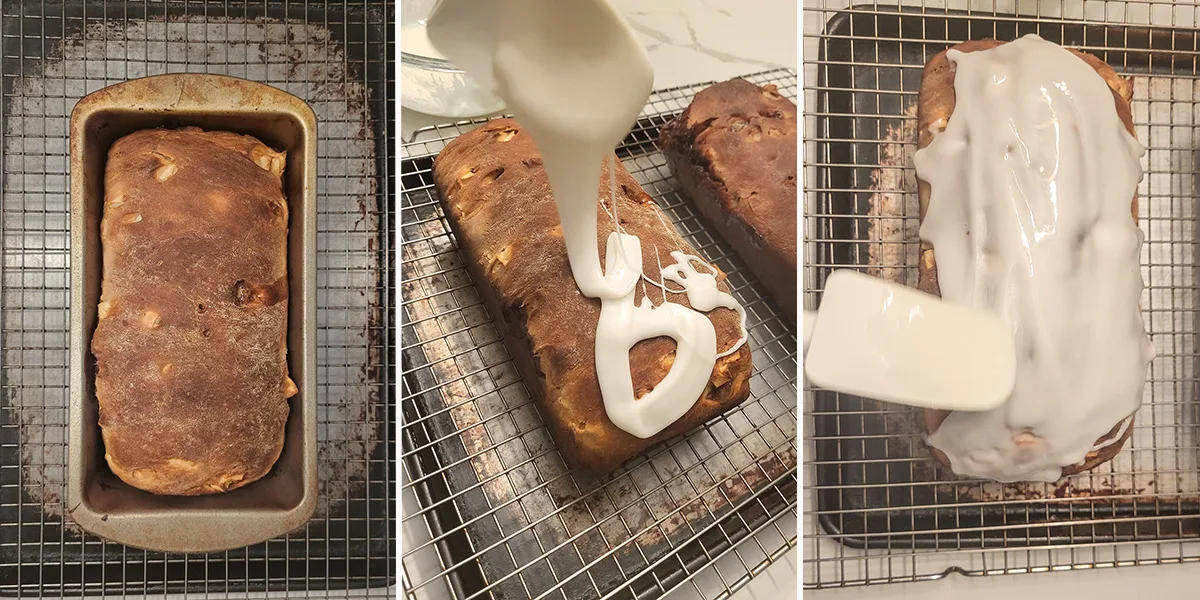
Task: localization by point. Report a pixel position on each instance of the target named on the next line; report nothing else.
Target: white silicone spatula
(889, 342)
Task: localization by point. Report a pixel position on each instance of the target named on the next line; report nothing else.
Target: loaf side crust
(191, 338)
(733, 151)
(497, 199)
(935, 104)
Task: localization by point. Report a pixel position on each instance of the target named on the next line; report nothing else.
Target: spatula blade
(890, 342)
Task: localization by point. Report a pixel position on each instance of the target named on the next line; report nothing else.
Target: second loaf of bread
(734, 153)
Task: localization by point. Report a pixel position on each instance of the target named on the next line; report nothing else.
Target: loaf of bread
(191, 341)
(497, 198)
(733, 152)
(935, 105)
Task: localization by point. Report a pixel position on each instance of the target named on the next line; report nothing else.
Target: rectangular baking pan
(878, 485)
(97, 500)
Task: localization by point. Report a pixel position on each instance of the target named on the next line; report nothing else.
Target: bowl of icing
(432, 85)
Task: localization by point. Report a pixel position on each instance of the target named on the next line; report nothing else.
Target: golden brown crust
(497, 199)
(935, 104)
(191, 341)
(734, 153)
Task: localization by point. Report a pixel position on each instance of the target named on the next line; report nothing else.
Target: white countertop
(1165, 582)
(693, 41)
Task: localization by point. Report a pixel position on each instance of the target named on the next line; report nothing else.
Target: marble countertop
(693, 41)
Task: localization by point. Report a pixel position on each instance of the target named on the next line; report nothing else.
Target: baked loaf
(934, 107)
(498, 201)
(733, 151)
(191, 341)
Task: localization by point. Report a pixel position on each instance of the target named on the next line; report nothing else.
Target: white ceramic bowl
(436, 87)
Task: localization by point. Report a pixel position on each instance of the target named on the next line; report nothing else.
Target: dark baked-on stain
(190, 345)
(509, 231)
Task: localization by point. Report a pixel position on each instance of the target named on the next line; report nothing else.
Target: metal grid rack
(336, 56)
(878, 509)
(490, 509)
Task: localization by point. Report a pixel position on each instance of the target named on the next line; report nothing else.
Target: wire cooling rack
(332, 54)
(490, 511)
(878, 508)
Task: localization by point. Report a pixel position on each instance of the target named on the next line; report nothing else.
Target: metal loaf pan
(284, 500)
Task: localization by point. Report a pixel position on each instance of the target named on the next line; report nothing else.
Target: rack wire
(877, 508)
(336, 56)
(490, 511)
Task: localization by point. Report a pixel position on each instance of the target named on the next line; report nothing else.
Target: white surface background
(1167, 582)
(691, 41)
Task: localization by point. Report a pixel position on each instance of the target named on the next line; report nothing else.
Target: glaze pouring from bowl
(576, 78)
(1031, 184)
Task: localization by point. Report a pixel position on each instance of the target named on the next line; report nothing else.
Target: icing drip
(702, 292)
(1031, 183)
(623, 323)
(577, 90)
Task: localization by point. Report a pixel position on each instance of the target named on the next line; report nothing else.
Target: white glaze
(1029, 216)
(623, 324)
(702, 291)
(576, 78)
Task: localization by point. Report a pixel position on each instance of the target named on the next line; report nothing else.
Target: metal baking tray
(879, 501)
(491, 511)
(285, 498)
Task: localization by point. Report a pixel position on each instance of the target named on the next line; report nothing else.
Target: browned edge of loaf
(497, 199)
(191, 338)
(935, 104)
(733, 151)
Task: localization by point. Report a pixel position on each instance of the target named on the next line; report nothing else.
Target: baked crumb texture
(191, 339)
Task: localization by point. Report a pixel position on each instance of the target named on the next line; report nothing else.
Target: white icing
(1029, 215)
(623, 324)
(577, 87)
(702, 292)
(576, 78)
